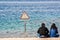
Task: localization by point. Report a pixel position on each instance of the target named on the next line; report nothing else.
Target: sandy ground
(22, 36)
(29, 38)
(17, 34)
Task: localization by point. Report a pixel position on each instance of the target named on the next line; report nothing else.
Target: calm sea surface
(39, 12)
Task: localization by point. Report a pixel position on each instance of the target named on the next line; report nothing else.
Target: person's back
(43, 30)
(54, 31)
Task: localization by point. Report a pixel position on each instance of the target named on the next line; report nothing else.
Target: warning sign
(24, 16)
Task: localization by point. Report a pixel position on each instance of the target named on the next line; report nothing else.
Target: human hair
(43, 25)
(53, 26)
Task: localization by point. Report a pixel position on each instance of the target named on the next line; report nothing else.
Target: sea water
(39, 12)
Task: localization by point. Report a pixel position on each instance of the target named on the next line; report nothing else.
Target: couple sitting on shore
(44, 32)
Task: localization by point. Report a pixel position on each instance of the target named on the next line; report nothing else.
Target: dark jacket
(44, 30)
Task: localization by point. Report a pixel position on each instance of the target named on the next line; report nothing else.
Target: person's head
(53, 26)
(43, 25)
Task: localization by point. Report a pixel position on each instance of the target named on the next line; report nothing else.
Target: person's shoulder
(46, 28)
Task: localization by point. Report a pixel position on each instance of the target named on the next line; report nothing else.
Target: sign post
(24, 17)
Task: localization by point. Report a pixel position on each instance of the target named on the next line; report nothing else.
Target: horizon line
(29, 2)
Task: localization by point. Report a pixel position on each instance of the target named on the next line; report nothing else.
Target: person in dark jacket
(54, 31)
(43, 31)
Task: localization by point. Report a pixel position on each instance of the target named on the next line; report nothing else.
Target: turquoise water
(38, 12)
